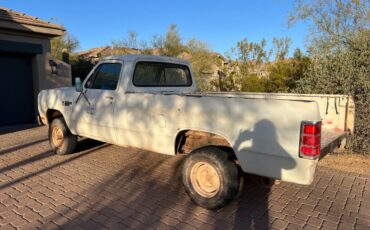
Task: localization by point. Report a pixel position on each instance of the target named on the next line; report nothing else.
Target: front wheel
(61, 140)
(210, 178)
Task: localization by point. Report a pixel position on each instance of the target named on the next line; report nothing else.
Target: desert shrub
(345, 71)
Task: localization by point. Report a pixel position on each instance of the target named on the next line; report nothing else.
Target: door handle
(109, 97)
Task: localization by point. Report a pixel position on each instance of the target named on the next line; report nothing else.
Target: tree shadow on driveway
(146, 192)
(85, 147)
(21, 146)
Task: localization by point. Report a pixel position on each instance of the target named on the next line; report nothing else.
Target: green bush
(345, 71)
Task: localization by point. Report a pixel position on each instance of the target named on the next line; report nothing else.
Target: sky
(218, 23)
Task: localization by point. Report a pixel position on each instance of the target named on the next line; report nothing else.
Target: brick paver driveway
(104, 186)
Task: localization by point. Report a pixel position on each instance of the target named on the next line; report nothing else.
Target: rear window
(154, 74)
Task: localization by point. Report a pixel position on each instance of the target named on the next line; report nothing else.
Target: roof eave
(32, 28)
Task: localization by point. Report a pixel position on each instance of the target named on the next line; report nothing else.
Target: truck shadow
(85, 144)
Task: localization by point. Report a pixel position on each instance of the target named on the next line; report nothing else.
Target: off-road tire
(210, 178)
(61, 140)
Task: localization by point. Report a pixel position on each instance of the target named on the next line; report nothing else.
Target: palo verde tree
(128, 44)
(240, 73)
(63, 44)
(284, 73)
(171, 44)
(280, 69)
(202, 62)
(281, 47)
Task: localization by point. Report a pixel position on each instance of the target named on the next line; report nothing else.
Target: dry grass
(347, 162)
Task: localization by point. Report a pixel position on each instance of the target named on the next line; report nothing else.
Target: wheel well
(189, 140)
(52, 114)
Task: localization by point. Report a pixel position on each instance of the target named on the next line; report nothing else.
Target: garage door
(16, 93)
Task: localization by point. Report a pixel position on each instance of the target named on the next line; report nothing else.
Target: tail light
(310, 140)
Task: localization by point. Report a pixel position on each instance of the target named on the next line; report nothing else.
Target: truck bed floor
(330, 140)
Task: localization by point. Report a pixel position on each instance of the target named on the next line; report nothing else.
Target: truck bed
(336, 111)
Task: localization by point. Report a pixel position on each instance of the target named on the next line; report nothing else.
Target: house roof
(12, 20)
(94, 52)
(104, 51)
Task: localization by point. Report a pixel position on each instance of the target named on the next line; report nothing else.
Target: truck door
(96, 109)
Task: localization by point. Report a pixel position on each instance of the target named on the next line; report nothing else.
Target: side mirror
(78, 84)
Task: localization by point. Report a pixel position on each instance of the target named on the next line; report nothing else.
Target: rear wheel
(61, 140)
(210, 178)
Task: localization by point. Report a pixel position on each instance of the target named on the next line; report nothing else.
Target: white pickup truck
(153, 103)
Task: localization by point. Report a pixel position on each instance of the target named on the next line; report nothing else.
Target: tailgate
(330, 140)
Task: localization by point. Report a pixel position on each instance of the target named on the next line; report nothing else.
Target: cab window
(105, 76)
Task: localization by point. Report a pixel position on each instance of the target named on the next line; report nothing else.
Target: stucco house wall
(22, 34)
